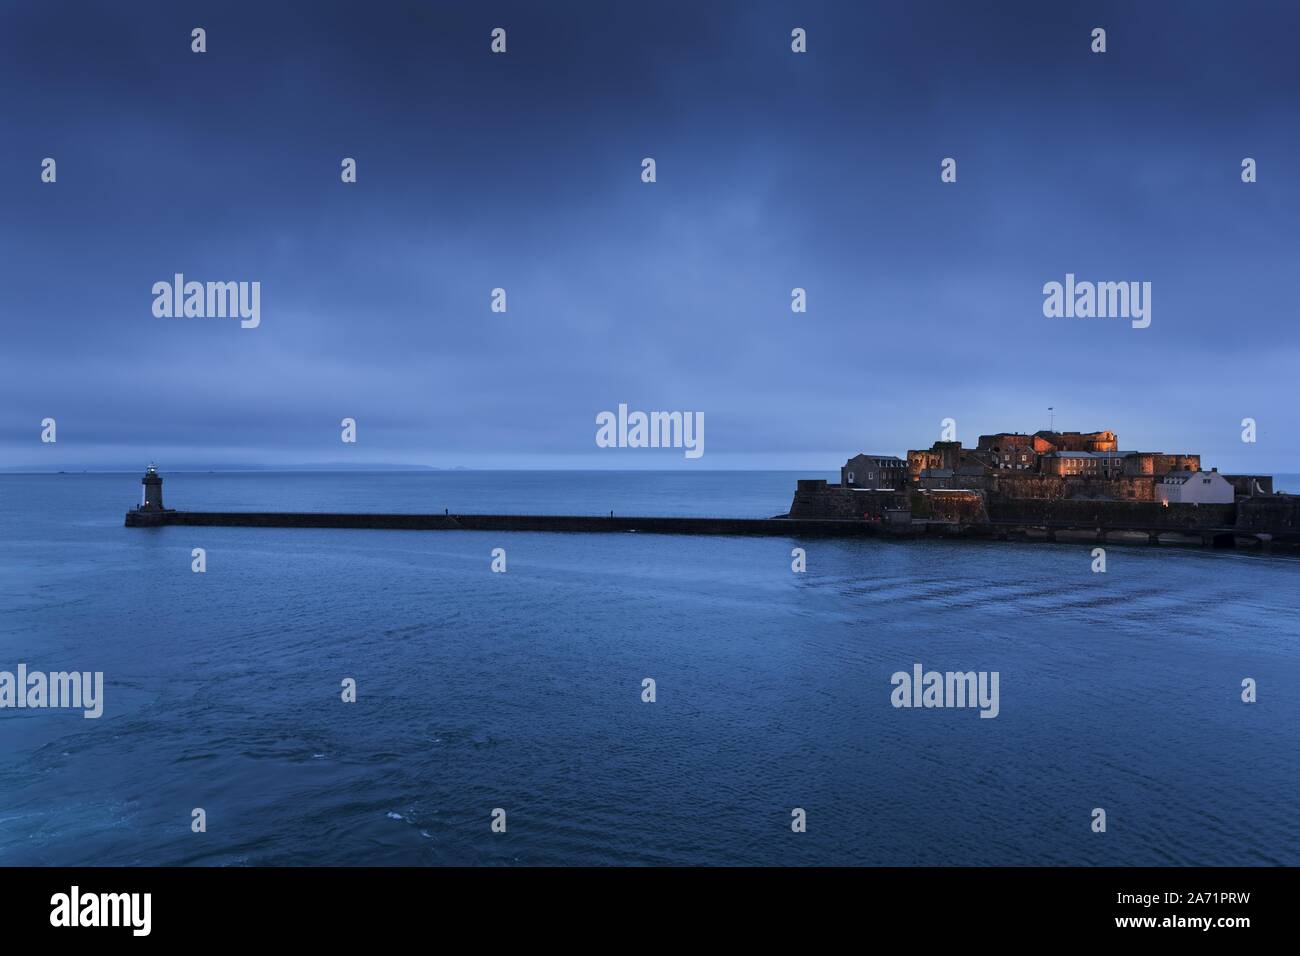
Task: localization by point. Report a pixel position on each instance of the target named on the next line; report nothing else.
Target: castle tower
(151, 497)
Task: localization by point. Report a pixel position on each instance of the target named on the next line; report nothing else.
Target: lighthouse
(151, 494)
(150, 513)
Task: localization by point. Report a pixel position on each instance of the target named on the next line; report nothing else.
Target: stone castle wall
(1123, 488)
(1100, 514)
(1273, 513)
(815, 498)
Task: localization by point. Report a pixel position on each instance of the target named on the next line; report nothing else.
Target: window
(850, 477)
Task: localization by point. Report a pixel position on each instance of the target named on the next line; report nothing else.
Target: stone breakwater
(556, 523)
(1036, 527)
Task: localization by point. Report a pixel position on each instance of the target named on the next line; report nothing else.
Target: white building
(1195, 487)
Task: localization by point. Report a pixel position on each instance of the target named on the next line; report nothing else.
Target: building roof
(1179, 477)
(1088, 454)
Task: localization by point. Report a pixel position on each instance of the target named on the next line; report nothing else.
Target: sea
(501, 718)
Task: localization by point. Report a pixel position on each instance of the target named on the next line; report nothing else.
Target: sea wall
(1102, 514)
(965, 507)
(290, 519)
(1273, 514)
(556, 523)
(814, 498)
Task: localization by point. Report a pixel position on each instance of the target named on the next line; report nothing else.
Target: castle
(1051, 464)
(1045, 478)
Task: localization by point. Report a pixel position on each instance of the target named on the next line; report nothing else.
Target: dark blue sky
(522, 171)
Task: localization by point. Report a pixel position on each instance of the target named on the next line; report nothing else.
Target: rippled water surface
(523, 690)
